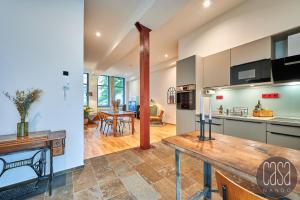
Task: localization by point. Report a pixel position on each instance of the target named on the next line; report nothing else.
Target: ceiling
(116, 51)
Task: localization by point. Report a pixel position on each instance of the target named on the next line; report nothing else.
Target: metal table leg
(178, 182)
(51, 169)
(207, 179)
(206, 192)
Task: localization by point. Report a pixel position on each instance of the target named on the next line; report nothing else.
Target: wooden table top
(119, 113)
(11, 143)
(235, 155)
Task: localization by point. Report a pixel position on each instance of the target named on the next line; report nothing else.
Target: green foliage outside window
(119, 85)
(103, 91)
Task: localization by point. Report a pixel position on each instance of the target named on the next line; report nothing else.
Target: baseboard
(8, 187)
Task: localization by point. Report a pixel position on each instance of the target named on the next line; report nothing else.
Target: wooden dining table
(116, 115)
(234, 155)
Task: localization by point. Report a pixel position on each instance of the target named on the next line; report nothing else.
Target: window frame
(123, 80)
(87, 90)
(108, 89)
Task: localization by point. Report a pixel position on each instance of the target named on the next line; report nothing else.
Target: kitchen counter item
(262, 113)
(239, 111)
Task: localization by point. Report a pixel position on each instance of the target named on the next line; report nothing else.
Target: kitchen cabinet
(252, 130)
(217, 69)
(186, 71)
(253, 51)
(283, 135)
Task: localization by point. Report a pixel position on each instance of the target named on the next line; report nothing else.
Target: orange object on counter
(262, 113)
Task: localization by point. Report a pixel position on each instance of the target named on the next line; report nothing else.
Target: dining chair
(124, 121)
(229, 190)
(100, 122)
(108, 123)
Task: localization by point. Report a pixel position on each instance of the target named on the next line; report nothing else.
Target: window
(119, 89)
(85, 89)
(103, 91)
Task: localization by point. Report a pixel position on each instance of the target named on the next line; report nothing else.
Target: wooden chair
(158, 118)
(229, 190)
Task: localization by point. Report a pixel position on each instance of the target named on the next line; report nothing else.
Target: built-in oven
(186, 97)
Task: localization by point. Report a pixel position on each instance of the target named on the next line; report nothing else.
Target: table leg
(132, 124)
(115, 125)
(178, 181)
(207, 180)
(51, 169)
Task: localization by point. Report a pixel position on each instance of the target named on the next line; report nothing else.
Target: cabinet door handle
(283, 134)
(239, 120)
(284, 125)
(214, 124)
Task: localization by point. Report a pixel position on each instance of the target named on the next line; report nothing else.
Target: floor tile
(122, 168)
(84, 178)
(131, 157)
(140, 188)
(92, 193)
(111, 188)
(61, 193)
(148, 173)
(124, 196)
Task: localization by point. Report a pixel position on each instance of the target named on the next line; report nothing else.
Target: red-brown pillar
(144, 86)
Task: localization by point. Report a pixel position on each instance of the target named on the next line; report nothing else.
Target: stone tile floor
(131, 174)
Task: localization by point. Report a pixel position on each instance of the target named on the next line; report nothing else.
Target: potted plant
(23, 101)
(86, 112)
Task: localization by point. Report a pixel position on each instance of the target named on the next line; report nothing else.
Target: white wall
(160, 81)
(40, 39)
(250, 21)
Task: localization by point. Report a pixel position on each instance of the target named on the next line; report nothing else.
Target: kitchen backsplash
(287, 105)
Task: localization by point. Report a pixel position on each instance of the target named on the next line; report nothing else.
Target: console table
(40, 142)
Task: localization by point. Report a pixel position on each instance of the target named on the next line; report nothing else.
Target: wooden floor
(97, 144)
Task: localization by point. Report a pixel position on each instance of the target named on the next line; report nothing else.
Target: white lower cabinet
(252, 130)
(283, 135)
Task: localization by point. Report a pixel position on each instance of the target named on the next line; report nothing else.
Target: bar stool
(229, 190)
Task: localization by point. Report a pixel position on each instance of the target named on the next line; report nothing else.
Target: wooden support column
(144, 86)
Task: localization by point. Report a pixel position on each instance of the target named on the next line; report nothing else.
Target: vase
(22, 129)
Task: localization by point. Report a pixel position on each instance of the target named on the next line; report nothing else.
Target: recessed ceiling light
(166, 55)
(98, 34)
(206, 3)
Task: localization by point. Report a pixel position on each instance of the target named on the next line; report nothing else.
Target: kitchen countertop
(274, 120)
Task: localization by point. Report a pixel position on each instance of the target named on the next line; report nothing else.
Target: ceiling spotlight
(166, 55)
(206, 3)
(98, 34)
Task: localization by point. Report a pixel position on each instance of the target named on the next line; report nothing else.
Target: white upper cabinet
(217, 69)
(185, 71)
(253, 51)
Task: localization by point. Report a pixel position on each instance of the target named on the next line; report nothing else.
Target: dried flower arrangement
(23, 100)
